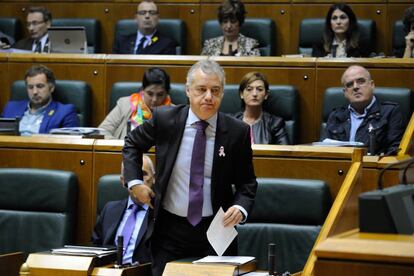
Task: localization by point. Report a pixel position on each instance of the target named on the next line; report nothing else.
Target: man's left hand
(232, 217)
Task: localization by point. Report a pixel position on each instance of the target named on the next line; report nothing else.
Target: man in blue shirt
(366, 114)
(40, 113)
(114, 219)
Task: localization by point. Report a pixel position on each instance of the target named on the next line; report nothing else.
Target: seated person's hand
(142, 194)
(409, 40)
(4, 45)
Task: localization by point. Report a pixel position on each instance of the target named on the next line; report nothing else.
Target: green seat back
(398, 39)
(73, 92)
(109, 189)
(11, 27)
(124, 89)
(289, 213)
(37, 209)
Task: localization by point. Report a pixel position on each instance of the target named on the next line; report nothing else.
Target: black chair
(262, 29)
(282, 102)
(123, 89)
(11, 27)
(398, 39)
(172, 28)
(109, 189)
(289, 213)
(92, 28)
(37, 209)
(78, 93)
(334, 97)
(311, 32)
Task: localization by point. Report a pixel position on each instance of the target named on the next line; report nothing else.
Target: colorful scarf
(140, 111)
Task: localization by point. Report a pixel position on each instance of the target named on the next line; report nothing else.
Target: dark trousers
(175, 238)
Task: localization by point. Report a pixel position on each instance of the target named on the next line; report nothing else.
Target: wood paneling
(4, 93)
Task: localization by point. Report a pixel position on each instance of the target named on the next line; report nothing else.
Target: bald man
(365, 114)
(114, 217)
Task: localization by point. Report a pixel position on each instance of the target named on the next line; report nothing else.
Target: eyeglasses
(34, 23)
(152, 12)
(202, 91)
(359, 82)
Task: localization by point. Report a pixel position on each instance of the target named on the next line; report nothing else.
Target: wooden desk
(10, 263)
(357, 254)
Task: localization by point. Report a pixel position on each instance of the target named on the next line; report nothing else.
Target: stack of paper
(84, 251)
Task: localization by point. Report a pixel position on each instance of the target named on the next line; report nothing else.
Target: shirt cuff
(134, 182)
(243, 211)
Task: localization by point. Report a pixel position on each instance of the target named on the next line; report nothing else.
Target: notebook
(67, 40)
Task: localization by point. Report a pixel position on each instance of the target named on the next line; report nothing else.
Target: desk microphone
(119, 250)
(271, 259)
(372, 140)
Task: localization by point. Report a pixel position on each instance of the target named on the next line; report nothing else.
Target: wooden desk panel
(59, 154)
(88, 68)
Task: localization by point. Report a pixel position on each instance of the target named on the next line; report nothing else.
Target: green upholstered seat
(289, 213)
(398, 39)
(73, 92)
(334, 97)
(311, 32)
(92, 28)
(11, 26)
(37, 209)
(172, 28)
(261, 29)
(123, 89)
(109, 189)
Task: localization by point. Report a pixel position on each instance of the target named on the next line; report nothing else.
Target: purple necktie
(195, 203)
(130, 225)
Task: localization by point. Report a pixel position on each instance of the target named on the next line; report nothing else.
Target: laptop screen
(67, 40)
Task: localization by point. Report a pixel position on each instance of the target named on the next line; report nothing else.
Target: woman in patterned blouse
(232, 43)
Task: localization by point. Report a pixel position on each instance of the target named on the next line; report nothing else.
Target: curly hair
(408, 19)
(231, 9)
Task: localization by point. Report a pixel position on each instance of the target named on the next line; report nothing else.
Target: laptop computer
(9, 126)
(67, 40)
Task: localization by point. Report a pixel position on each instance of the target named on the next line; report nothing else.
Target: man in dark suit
(39, 19)
(114, 217)
(147, 40)
(40, 113)
(200, 154)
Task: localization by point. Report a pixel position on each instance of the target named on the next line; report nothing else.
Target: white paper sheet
(234, 260)
(220, 237)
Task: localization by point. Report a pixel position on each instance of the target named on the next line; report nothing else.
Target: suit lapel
(47, 117)
(220, 146)
(141, 232)
(117, 213)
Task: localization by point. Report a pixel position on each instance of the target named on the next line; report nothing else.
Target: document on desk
(220, 237)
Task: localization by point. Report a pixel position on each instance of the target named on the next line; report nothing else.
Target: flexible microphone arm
(379, 183)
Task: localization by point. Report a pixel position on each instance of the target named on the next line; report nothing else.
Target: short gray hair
(209, 67)
(356, 66)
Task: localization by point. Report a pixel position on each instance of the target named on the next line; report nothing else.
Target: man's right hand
(142, 193)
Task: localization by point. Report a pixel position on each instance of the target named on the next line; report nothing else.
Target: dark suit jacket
(165, 130)
(319, 51)
(24, 44)
(56, 114)
(163, 45)
(108, 223)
